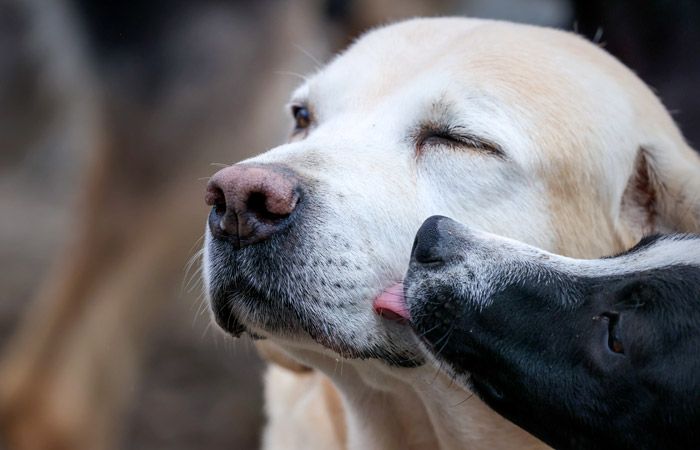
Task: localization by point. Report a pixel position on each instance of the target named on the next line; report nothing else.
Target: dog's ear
(663, 193)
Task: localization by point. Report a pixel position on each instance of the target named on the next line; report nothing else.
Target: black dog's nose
(250, 203)
(430, 247)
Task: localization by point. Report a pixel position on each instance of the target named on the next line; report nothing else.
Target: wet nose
(251, 203)
(433, 243)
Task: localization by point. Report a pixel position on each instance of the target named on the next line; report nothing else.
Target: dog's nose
(432, 244)
(251, 203)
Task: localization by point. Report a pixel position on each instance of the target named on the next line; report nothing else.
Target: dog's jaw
(422, 407)
(318, 300)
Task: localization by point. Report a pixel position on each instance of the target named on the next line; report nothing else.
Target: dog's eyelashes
(441, 138)
(456, 138)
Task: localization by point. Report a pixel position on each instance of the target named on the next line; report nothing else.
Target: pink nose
(251, 203)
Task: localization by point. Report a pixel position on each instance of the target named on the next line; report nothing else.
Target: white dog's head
(525, 132)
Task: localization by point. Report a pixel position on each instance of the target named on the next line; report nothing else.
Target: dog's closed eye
(454, 137)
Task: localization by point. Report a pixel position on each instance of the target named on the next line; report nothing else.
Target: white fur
(487, 257)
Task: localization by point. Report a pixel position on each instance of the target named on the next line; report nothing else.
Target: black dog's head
(581, 353)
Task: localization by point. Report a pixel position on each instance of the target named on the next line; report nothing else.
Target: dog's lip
(391, 304)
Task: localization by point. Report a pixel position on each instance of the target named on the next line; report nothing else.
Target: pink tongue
(391, 304)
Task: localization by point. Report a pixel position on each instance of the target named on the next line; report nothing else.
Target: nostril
(257, 204)
(427, 249)
(220, 224)
(428, 246)
(220, 208)
(428, 255)
(415, 244)
(215, 197)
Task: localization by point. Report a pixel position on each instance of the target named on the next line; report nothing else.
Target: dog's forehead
(543, 86)
(374, 69)
(656, 252)
(660, 251)
(651, 252)
(399, 53)
(504, 59)
(384, 62)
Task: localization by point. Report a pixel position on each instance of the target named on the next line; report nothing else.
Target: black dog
(581, 353)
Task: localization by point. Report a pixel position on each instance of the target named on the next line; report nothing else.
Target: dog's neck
(390, 408)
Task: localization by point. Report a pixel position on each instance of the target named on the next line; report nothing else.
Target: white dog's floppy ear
(663, 193)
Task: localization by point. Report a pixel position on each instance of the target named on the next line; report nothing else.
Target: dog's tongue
(391, 304)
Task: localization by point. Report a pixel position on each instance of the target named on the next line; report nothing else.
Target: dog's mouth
(439, 318)
(393, 343)
(227, 317)
(286, 302)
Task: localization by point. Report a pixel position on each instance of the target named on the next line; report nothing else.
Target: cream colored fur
(572, 123)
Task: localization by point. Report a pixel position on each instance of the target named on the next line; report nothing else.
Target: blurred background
(112, 115)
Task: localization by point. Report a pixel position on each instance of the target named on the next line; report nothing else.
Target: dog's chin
(239, 309)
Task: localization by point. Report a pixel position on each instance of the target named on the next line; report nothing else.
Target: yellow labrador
(525, 132)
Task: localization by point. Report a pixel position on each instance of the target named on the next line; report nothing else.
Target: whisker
(446, 338)
(464, 401)
(313, 59)
(294, 74)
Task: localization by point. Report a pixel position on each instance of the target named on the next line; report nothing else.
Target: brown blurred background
(112, 115)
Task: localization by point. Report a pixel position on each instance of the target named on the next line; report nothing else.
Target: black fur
(579, 361)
